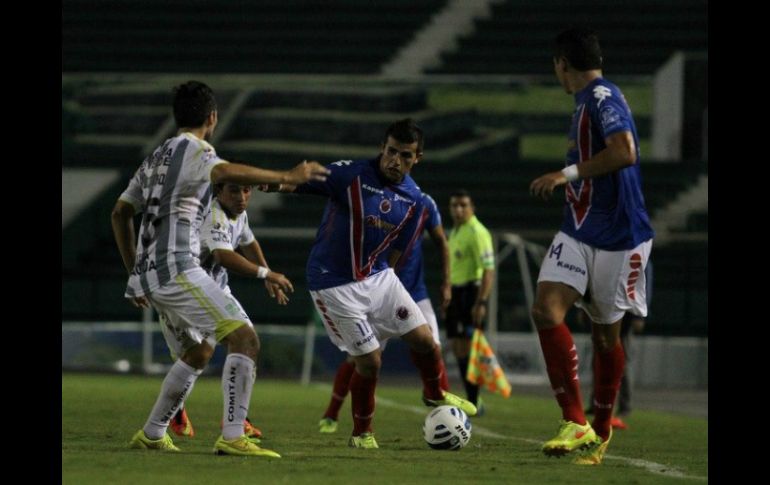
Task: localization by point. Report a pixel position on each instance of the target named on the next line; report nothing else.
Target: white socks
(175, 389)
(238, 377)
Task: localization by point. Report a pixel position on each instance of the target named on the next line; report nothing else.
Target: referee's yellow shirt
(470, 252)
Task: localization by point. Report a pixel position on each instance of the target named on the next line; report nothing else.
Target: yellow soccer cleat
(241, 446)
(594, 455)
(142, 442)
(452, 400)
(365, 440)
(327, 425)
(571, 436)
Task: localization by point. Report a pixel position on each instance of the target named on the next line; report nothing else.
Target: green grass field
(100, 413)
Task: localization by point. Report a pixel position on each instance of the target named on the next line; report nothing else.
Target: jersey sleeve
(484, 248)
(336, 182)
(434, 216)
(204, 158)
(133, 193)
(610, 111)
(215, 231)
(246, 237)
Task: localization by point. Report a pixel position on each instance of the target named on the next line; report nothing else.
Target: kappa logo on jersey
(385, 206)
(402, 313)
(601, 93)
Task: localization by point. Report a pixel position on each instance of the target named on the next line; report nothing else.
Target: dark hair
(460, 193)
(405, 131)
(580, 46)
(193, 103)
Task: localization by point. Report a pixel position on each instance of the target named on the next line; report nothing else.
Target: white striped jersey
(221, 232)
(172, 188)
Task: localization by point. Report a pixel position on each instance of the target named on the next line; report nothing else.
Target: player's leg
(344, 310)
(328, 423)
(617, 286)
(562, 280)
(427, 311)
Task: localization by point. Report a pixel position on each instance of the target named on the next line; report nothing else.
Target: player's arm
(122, 219)
(240, 174)
(439, 239)
(232, 261)
(619, 153)
(484, 252)
(123, 229)
(253, 252)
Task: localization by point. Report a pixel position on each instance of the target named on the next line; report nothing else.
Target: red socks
(362, 402)
(561, 363)
(608, 371)
(340, 389)
(431, 366)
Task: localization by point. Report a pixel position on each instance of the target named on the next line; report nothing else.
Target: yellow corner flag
(483, 368)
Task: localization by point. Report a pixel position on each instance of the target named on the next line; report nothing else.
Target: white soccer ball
(447, 428)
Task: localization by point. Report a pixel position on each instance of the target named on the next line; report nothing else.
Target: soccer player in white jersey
(225, 229)
(172, 188)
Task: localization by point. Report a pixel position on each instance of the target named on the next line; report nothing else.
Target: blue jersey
(365, 217)
(410, 268)
(605, 212)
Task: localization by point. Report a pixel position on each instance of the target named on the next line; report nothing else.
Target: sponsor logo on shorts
(570, 267)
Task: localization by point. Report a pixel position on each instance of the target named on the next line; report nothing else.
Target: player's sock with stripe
(340, 389)
(238, 377)
(175, 388)
(362, 402)
(561, 363)
(430, 365)
(608, 372)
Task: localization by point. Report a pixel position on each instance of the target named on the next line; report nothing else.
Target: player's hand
(276, 293)
(281, 281)
(139, 302)
(307, 171)
(478, 312)
(543, 186)
(446, 298)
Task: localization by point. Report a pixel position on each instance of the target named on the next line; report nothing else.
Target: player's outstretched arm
(236, 263)
(237, 173)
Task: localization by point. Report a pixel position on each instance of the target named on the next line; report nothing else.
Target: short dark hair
(580, 46)
(193, 103)
(405, 131)
(460, 193)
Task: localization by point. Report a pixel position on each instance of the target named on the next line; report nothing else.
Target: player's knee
(369, 365)
(604, 343)
(244, 341)
(544, 316)
(198, 356)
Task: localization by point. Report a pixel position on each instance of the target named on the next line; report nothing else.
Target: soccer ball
(447, 428)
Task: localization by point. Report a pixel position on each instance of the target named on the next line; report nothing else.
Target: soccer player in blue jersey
(374, 208)
(597, 259)
(410, 270)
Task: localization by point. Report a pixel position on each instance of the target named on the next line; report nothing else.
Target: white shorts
(611, 282)
(193, 308)
(430, 316)
(360, 314)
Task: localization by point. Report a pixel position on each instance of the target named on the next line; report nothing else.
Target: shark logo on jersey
(601, 93)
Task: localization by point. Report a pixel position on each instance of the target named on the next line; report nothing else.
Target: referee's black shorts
(458, 320)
